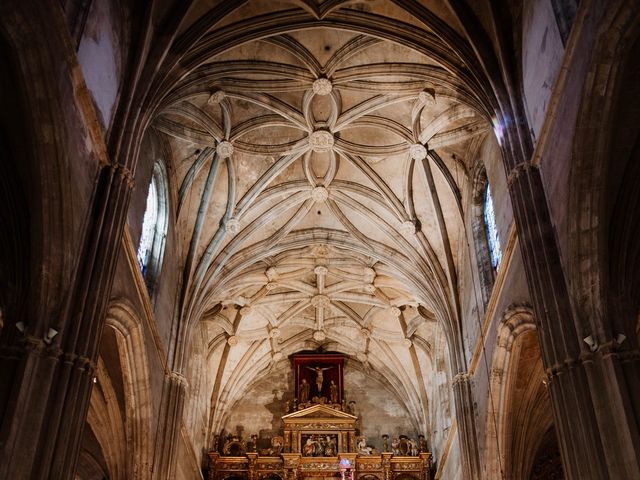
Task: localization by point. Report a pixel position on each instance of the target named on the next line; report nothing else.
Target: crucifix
(319, 376)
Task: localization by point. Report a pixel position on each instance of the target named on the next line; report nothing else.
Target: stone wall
(261, 408)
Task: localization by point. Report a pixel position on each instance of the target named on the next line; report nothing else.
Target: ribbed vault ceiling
(320, 153)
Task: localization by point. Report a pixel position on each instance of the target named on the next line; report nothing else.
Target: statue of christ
(319, 376)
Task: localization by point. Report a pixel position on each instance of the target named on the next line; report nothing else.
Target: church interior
(320, 239)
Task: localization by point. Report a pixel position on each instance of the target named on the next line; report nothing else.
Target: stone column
(52, 384)
(45, 386)
(173, 397)
(465, 417)
(583, 453)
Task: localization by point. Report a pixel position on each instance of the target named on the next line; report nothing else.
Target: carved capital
(519, 170)
(462, 377)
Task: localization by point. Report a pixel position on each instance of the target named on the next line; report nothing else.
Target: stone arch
(603, 222)
(35, 126)
(105, 421)
(122, 318)
(520, 415)
(604, 225)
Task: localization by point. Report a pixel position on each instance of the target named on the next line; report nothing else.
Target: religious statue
(333, 392)
(304, 391)
(395, 446)
(361, 446)
(413, 448)
(385, 443)
(277, 443)
(422, 444)
(319, 376)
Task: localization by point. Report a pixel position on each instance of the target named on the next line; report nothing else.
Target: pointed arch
(520, 415)
(135, 372)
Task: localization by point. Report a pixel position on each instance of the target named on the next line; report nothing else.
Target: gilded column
(386, 465)
(291, 461)
(253, 457)
(213, 459)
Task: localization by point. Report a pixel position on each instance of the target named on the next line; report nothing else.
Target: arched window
(154, 227)
(492, 230)
(484, 232)
(148, 227)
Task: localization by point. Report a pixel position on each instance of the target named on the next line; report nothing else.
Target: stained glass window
(492, 229)
(148, 227)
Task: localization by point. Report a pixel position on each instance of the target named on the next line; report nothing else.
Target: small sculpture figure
(361, 445)
(385, 443)
(333, 392)
(395, 446)
(304, 391)
(413, 448)
(276, 445)
(422, 444)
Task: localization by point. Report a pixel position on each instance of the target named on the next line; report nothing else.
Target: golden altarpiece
(320, 439)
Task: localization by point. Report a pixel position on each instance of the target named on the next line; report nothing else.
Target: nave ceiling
(321, 154)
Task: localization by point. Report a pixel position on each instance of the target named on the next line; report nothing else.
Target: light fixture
(593, 346)
(52, 332)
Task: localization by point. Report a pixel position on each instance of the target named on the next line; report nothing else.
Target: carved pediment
(320, 411)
